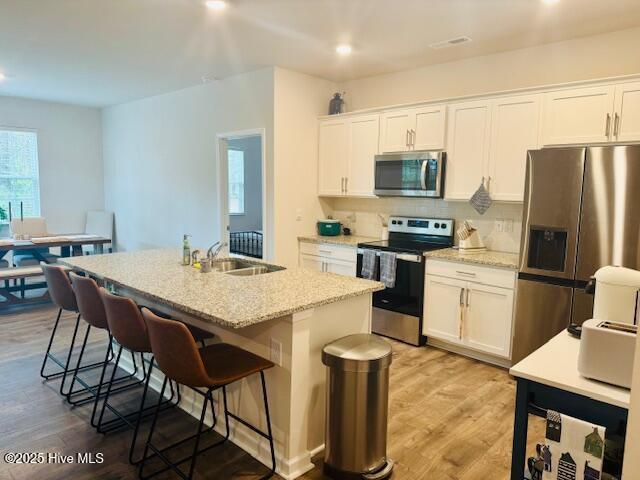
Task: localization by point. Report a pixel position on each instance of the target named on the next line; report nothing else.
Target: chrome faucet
(214, 250)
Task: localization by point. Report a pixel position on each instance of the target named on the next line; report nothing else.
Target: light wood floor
(450, 417)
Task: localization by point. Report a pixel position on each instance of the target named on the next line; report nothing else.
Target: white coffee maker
(608, 340)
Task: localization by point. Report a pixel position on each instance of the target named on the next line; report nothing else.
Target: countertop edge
(226, 323)
(486, 259)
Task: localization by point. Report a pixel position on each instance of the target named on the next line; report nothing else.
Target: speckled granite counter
(345, 240)
(231, 301)
(488, 258)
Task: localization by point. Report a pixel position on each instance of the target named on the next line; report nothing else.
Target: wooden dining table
(69, 244)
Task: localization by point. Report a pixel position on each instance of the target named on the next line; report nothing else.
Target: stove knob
(444, 225)
(399, 222)
(393, 222)
(437, 225)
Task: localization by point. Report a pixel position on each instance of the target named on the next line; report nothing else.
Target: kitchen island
(286, 315)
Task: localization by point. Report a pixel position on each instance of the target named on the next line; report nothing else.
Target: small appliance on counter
(470, 241)
(608, 341)
(329, 227)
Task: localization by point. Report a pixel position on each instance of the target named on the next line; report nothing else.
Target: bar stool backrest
(59, 287)
(176, 351)
(89, 302)
(125, 322)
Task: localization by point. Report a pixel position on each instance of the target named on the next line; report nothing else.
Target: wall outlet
(508, 225)
(499, 226)
(276, 351)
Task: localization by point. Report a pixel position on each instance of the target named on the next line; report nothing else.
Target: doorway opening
(243, 198)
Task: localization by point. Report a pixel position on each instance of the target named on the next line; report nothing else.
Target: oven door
(397, 311)
(415, 174)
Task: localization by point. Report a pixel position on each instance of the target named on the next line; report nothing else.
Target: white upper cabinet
(626, 116)
(577, 116)
(515, 124)
(364, 135)
(413, 129)
(346, 149)
(467, 148)
(333, 147)
(394, 131)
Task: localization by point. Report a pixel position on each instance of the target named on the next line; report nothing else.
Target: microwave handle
(423, 175)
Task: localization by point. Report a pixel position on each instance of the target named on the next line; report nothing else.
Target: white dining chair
(98, 222)
(30, 227)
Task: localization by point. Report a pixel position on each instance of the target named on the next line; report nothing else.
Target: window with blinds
(19, 180)
(236, 182)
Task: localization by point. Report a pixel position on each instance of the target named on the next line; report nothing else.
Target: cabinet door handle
(616, 124)
(346, 184)
(467, 299)
(607, 129)
(342, 185)
(324, 251)
(406, 139)
(413, 138)
(462, 311)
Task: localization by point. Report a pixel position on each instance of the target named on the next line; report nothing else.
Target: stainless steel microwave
(410, 174)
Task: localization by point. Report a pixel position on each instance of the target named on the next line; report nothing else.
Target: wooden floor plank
(450, 417)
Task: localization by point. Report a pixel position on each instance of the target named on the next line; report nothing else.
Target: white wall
(161, 160)
(70, 158)
(251, 219)
(593, 57)
(298, 100)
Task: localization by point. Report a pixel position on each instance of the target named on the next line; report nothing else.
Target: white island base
(296, 387)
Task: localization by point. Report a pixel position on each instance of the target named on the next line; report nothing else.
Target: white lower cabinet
(328, 258)
(469, 313)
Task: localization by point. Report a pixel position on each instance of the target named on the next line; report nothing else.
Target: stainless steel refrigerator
(581, 212)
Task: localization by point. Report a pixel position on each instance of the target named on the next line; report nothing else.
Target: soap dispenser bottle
(186, 250)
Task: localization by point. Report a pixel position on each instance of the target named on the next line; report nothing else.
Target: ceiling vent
(451, 42)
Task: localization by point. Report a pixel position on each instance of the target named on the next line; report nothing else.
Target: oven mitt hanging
(481, 200)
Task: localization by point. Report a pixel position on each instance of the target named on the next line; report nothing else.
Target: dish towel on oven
(388, 269)
(573, 449)
(368, 269)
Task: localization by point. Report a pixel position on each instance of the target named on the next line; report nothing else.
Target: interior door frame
(222, 173)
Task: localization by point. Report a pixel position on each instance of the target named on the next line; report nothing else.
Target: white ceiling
(104, 52)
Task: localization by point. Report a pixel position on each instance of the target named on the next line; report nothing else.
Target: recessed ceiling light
(216, 4)
(344, 49)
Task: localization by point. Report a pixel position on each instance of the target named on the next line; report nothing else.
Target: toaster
(606, 351)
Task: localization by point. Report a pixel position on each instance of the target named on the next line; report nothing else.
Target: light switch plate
(276, 351)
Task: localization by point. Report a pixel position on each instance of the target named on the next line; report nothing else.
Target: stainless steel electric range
(397, 311)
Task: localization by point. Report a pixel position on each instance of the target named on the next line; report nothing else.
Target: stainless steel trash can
(357, 407)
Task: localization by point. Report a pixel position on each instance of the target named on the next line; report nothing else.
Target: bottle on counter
(186, 250)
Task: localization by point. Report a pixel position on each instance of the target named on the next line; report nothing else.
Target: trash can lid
(362, 352)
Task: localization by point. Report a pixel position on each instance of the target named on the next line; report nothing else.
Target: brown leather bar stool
(92, 311)
(130, 331)
(64, 298)
(212, 367)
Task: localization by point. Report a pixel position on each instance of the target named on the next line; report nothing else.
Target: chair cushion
(226, 363)
(4, 264)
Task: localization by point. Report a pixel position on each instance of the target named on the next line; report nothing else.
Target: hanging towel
(481, 200)
(388, 269)
(368, 269)
(573, 449)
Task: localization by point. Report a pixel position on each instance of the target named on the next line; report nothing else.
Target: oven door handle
(405, 257)
(423, 174)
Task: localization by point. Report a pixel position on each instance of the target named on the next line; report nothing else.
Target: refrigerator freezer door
(610, 218)
(553, 191)
(542, 311)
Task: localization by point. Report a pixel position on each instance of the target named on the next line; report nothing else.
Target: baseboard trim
(483, 357)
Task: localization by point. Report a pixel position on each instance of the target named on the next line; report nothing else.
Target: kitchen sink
(243, 268)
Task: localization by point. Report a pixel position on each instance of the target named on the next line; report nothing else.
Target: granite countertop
(488, 258)
(345, 240)
(228, 300)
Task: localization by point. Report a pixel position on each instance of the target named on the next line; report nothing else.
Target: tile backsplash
(499, 227)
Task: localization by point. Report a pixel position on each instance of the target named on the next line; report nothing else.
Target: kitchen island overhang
(296, 310)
